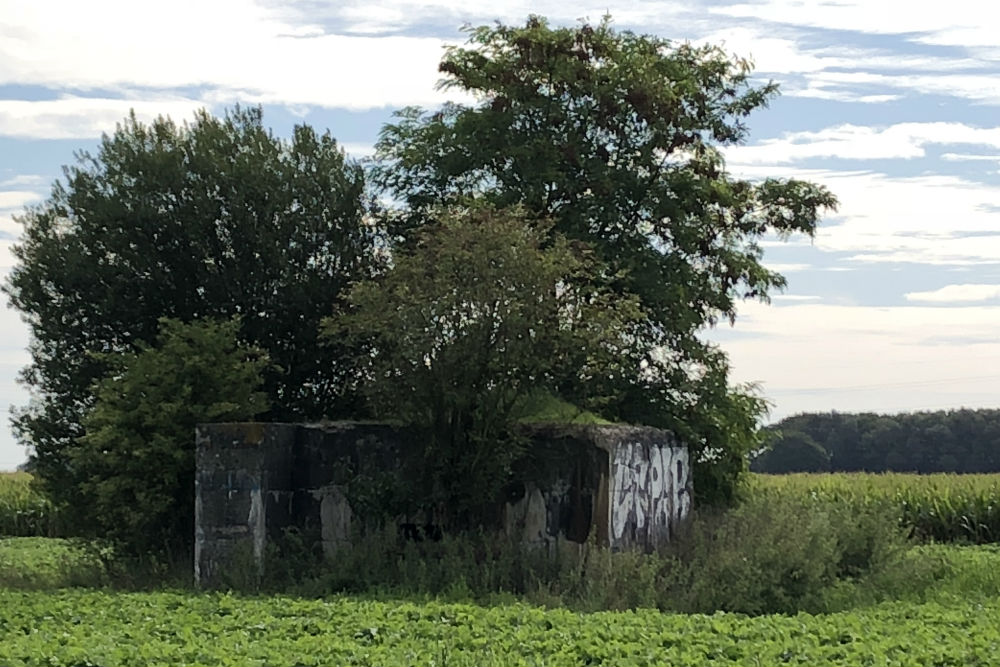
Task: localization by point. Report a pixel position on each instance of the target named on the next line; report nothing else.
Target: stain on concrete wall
(335, 518)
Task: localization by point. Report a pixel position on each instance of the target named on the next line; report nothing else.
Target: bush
(776, 556)
(780, 555)
(137, 459)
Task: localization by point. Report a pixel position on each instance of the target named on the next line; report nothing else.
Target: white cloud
(957, 23)
(357, 150)
(794, 297)
(978, 87)
(959, 157)
(83, 117)
(23, 179)
(786, 267)
(935, 219)
(858, 142)
(8, 226)
(957, 293)
(821, 357)
(14, 199)
(236, 49)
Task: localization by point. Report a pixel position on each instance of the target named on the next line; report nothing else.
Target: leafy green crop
(939, 507)
(99, 628)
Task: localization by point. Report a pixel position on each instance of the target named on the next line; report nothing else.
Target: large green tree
(212, 219)
(617, 138)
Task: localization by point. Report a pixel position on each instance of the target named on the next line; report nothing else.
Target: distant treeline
(964, 441)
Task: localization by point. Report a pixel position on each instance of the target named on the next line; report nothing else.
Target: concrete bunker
(625, 486)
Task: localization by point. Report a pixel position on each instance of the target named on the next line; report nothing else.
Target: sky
(893, 306)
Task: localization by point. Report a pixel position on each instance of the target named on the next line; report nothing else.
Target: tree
(135, 464)
(616, 138)
(485, 308)
(794, 452)
(214, 219)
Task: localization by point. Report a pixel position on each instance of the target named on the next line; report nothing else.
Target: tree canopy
(962, 441)
(617, 138)
(214, 219)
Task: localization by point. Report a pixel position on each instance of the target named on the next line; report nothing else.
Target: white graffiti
(650, 492)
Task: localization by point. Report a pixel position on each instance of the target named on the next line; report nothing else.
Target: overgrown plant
(484, 307)
(212, 219)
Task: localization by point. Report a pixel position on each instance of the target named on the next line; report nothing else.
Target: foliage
(24, 511)
(99, 627)
(541, 407)
(616, 138)
(215, 219)
(793, 452)
(485, 308)
(136, 462)
(939, 507)
(963, 441)
(38, 563)
(772, 555)
(781, 555)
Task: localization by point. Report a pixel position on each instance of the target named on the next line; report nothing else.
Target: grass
(543, 407)
(40, 563)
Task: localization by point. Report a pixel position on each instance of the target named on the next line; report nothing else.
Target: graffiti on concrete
(650, 493)
(527, 518)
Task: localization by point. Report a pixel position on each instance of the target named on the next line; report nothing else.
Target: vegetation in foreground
(945, 617)
(850, 589)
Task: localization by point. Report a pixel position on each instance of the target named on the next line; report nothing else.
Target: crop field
(939, 507)
(938, 606)
(99, 628)
(950, 620)
(23, 511)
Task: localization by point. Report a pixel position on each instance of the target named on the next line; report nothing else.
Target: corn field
(933, 508)
(23, 511)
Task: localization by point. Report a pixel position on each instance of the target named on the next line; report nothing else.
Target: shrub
(137, 457)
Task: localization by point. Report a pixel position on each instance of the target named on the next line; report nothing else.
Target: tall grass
(933, 508)
(24, 512)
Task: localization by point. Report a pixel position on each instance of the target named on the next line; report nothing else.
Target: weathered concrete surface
(239, 469)
(623, 486)
(628, 485)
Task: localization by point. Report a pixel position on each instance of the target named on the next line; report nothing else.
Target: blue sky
(894, 306)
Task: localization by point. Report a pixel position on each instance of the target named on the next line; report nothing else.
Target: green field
(98, 628)
(946, 618)
(940, 507)
(938, 605)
